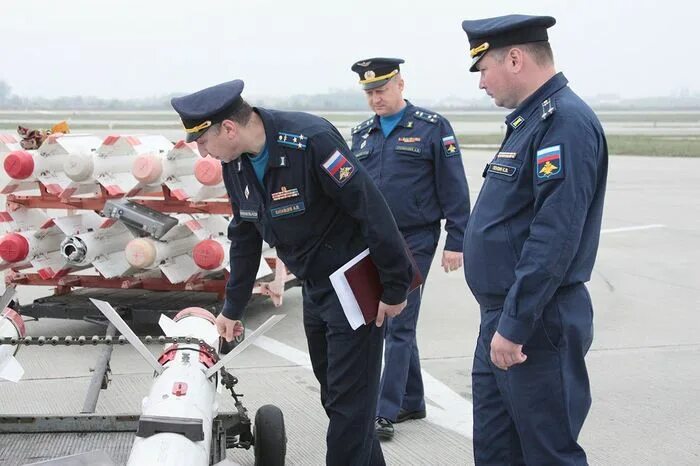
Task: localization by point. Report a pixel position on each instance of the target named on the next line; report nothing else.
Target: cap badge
(369, 74)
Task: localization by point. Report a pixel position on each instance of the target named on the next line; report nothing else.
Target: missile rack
(140, 294)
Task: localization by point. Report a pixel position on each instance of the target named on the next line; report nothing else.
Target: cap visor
(192, 137)
(475, 60)
(375, 84)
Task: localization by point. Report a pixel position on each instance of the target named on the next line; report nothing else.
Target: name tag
(411, 149)
(248, 214)
(502, 169)
(289, 209)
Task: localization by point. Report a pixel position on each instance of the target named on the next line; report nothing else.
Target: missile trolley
(144, 214)
(180, 422)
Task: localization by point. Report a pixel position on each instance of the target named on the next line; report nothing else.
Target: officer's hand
(388, 310)
(451, 260)
(505, 353)
(228, 328)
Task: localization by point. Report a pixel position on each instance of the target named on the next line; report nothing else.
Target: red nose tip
(14, 247)
(208, 254)
(19, 164)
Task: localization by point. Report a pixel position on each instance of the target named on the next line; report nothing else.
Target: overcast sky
(142, 48)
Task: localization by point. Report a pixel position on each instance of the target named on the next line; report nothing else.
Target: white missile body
(181, 391)
(95, 241)
(60, 152)
(175, 426)
(112, 166)
(201, 179)
(11, 325)
(171, 254)
(26, 167)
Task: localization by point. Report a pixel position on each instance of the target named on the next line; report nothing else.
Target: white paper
(345, 295)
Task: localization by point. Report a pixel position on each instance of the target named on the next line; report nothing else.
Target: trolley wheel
(269, 437)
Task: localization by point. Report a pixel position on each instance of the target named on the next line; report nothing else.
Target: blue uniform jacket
(536, 223)
(318, 207)
(419, 170)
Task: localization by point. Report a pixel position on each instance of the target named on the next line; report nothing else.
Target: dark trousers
(401, 385)
(533, 412)
(347, 364)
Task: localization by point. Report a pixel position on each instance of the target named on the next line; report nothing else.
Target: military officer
(413, 156)
(529, 248)
(294, 183)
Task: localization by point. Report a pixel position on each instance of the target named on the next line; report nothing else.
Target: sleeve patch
(450, 146)
(339, 168)
(550, 163)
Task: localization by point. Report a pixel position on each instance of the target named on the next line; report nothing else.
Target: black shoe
(407, 415)
(384, 428)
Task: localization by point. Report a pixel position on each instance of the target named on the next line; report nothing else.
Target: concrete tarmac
(643, 364)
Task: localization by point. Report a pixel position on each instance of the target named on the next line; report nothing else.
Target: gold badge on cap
(369, 74)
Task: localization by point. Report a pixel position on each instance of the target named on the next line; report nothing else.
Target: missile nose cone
(147, 168)
(14, 247)
(208, 171)
(140, 253)
(208, 254)
(16, 320)
(19, 164)
(195, 311)
(78, 167)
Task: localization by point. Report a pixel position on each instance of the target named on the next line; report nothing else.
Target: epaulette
(364, 125)
(429, 117)
(548, 108)
(295, 141)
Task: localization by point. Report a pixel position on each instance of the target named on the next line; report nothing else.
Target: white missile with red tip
(202, 178)
(175, 427)
(31, 239)
(115, 158)
(170, 254)
(12, 326)
(60, 151)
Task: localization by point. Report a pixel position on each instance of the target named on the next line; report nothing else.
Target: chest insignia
(285, 193)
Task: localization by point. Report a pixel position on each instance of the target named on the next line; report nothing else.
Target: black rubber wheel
(269, 437)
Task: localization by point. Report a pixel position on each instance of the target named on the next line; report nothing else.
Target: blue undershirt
(259, 163)
(389, 122)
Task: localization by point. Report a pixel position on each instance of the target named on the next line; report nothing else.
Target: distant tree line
(333, 100)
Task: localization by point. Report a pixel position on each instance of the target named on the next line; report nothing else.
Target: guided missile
(60, 152)
(112, 167)
(202, 178)
(175, 426)
(95, 241)
(45, 164)
(31, 239)
(170, 254)
(11, 325)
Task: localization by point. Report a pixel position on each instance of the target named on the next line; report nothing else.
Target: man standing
(529, 248)
(413, 156)
(293, 182)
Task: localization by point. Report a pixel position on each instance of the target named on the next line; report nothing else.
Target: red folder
(363, 279)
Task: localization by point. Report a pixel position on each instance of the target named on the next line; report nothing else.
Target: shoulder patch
(450, 146)
(548, 108)
(550, 163)
(365, 124)
(338, 167)
(295, 141)
(429, 117)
